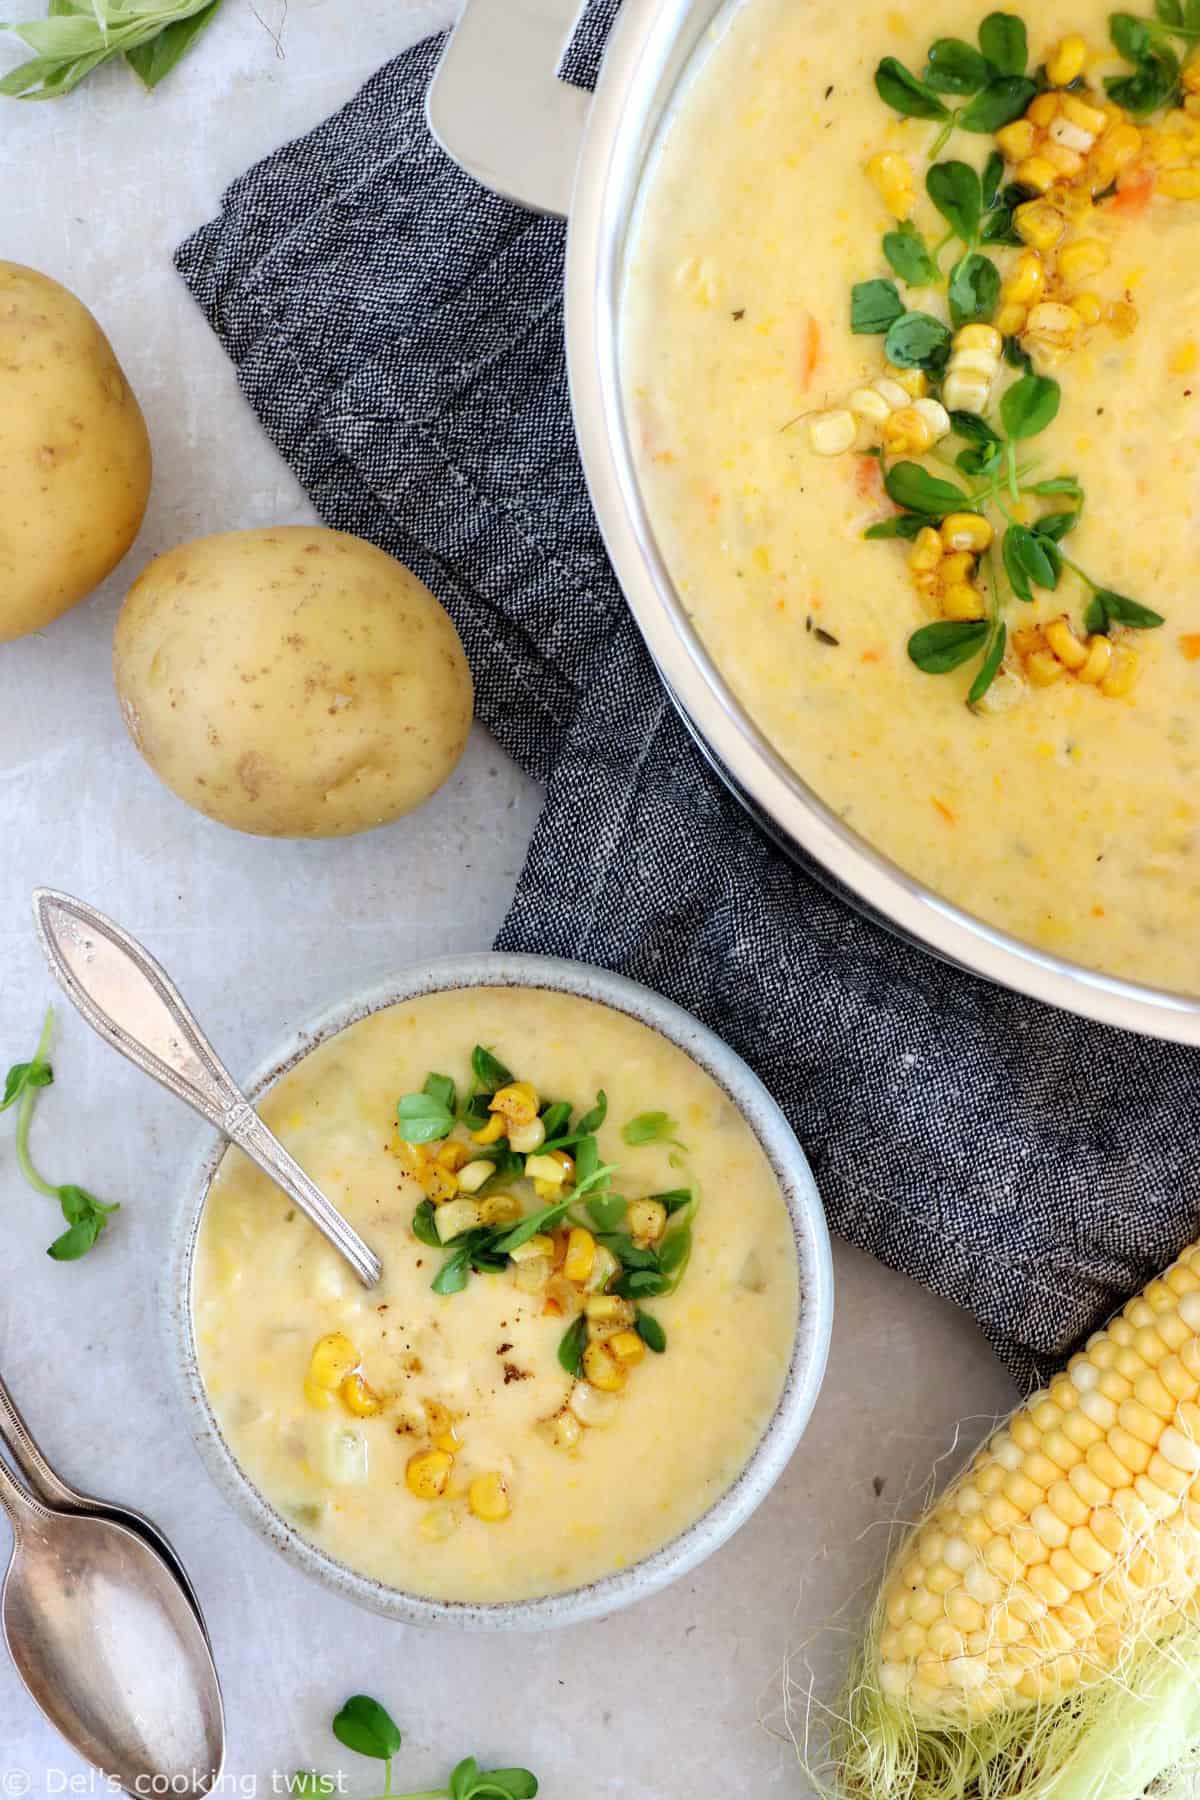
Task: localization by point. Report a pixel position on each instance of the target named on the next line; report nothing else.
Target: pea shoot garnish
(365, 1727)
(86, 1216)
(991, 81)
(592, 1253)
(969, 334)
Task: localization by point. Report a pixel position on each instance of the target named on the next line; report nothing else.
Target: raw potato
(292, 682)
(74, 453)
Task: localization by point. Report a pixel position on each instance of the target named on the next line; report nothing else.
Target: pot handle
(496, 105)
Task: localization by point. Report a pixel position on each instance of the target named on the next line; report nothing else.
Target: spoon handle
(22, 1507)
(46, 1482)
(129, 999)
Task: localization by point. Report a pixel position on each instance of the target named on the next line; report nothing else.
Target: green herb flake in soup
(588, 1306)
(955, 435)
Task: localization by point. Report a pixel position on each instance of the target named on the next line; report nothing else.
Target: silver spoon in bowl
(109, 1647)
(130, 1000)
(48, 1486)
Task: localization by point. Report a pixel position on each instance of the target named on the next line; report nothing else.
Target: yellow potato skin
(292, 682)
(74, 453)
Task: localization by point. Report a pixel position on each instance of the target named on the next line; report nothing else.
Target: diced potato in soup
(561, 1406)
(1007, 708)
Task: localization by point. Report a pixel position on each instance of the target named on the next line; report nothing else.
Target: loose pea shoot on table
(366, 1727)
(86, 1216)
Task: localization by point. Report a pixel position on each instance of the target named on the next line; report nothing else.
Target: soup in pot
(912, 355)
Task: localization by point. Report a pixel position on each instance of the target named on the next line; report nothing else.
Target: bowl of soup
(750, 218)
(604, 1313)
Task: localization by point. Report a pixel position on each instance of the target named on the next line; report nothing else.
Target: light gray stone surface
(663, 1703)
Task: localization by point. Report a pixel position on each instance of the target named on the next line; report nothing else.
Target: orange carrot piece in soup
(810, 353)
(868, 478)
(1189, 643)
(1133, 197)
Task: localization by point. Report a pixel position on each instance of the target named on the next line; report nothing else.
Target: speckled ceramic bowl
(805, 1372)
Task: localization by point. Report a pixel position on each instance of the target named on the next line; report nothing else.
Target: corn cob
(1038, 1634)
(1074, 1534)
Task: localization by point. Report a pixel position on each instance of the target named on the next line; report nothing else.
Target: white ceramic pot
(805, 1370)
(498, 109)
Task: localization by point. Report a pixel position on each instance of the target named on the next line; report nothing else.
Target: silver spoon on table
(109, 1647)
(126, 996)
(48, 1486)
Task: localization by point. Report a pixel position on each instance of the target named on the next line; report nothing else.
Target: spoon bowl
(47, 1485)
(110, 1648)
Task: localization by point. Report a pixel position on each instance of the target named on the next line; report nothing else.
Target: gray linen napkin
(399, 332)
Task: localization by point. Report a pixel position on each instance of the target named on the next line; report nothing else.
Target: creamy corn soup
(566, 1403)
(1061, 804)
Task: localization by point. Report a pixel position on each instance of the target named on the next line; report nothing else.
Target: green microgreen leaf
(642, 1284)
(627, 1253)
(1028, 558)
(955, 68)
(1060, 484)
(441, 1089)
(543, 1220)
(956, 191)
(454, 1273)
(980, 459)
(650, 1128)
(606, 1210)
(489, 1071)
(22, 1077)
(874, 306)
(650, 1331)
(555, 1119)
(594, 1118)
(945, 645)
(1003, 99)
(1029, 406)
(423, 1119)
(902, 525)
(1003, 40)
(1056, 525)
(918, 341)
(914, 488)
(572, 1345)
(76, 1241)
(1169, 11)
(898, 88)
(365, 1727)
(674, 1199)
(974, 427)
(1016, 357)
(502, 1784)
(908, 254)
(989, 181)
(990, 666)
(675, 1249)
(974, 290)
(424, 1226)
(476, 1113)
(1124, 611)
(1131, 36)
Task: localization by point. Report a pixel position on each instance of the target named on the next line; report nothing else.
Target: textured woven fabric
(399, 332)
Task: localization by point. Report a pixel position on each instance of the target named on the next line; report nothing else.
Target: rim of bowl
(806, 1367)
